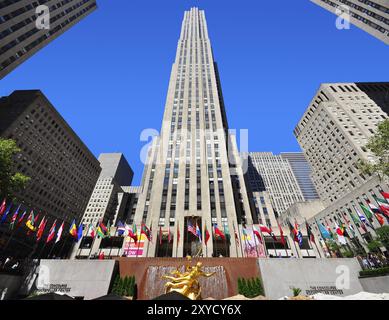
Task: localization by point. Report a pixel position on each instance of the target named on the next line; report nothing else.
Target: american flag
(191, 228)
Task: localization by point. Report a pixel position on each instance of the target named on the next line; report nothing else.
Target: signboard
(132, 249)
(252, 247)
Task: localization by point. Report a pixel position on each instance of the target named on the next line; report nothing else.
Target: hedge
(374, 272)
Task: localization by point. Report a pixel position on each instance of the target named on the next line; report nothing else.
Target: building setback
(63, 171)
(302, 172)
(188, 177)
(274, 174)
(371, 16)
(19, 36)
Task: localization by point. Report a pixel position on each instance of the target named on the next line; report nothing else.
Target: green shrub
(124, 286)
(374, 272)
(250, 288)
(296, 291)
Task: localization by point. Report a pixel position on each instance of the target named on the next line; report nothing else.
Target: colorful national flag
(51, 232)
(310, 234)
(3, 206)
(324, 231)
(383, 204)
(218, 232)
(206, 235)
(191, 228)
(268, 230)
(41, 228)
(146, 231)
(385, 195)
(340, 234)
(14, 217)
(91, 231)
(73, 229)
(5, 215)
(31, 221)
(59, 232)
(380, 219)
(80, 231)
(102, 230)
(198, 232)
(367, 211)
(282, 238)
(133, 233)
(21, 219)
(257, 233)
(121, 228)
(298, 234)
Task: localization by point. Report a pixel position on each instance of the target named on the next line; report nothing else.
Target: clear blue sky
(108, 75)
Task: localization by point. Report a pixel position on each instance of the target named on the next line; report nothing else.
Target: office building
(371, 16)
(20, 36)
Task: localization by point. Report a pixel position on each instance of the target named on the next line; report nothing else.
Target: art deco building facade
(104, 202)
(274, 174)
(63, 171)
(333, 133)
(193, 173)
(371, 16)
(19, 36)
(302, 172)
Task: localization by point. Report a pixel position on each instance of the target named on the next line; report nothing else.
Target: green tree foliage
(374, 246)
(379, 145)
(10, 182)
(383, 235)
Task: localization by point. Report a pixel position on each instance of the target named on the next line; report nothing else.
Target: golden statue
(187, 282)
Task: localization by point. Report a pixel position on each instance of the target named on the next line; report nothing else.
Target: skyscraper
(63, 171)
(193, 175)
(333, 133)
(371, 16)
(302, 172)
(19, 35)
(274, 174)
(334, 130)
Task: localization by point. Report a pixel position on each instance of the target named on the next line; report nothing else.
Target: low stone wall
(375, 284)
(148, 271)
(329, 276)
(78, 278)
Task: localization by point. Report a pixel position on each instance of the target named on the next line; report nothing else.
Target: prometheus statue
(187, 282)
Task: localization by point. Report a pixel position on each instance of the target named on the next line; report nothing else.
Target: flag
(339, 232)
(59, 232)
(191, 228)
(101, 256)
(384, 205)
(30, 224)
(367, 211)
(120, 228)
(80, 231)
(207, 235)
(91, 231)
(218, 232)
(258, 233)
(5, 215)
(268, 230)
(133, 233)
(298, 234)
(236, 236)
(380, 219)
(198, 232)
(328, 227)
(363, 220)
(102, 230)
(355, 219)
(178, 234)
(310, 234)
(14, 217)
(282, 238)
(372, 207)
(385, 195)
(2, 207)
(21, 219)
(51, 232)
(73, 229)
(169, 236)
(41, 229)
(146, 231)
(324, 231)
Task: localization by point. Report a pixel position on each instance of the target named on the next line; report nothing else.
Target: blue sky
(108, 75)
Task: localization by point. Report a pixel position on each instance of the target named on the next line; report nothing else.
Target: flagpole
(140, 238)
(324, 240)
(176, 236)
(236, 246)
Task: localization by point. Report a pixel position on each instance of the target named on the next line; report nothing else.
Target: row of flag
(362, 220)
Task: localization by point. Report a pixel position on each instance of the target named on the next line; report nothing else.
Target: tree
(11, 182)
(383, 235)
(379, 145)
(374, 246)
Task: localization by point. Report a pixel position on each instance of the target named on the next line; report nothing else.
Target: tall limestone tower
(193, 175)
